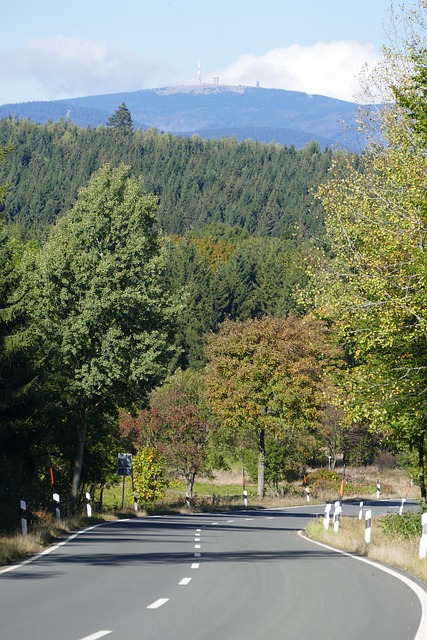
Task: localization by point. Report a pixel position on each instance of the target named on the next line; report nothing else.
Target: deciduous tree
(265, 376)
(101, 313)
(376, 285)
(177, 425)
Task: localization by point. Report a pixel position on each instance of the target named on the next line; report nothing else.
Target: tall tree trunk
(421, 469)
(261, 462)
(81, 430)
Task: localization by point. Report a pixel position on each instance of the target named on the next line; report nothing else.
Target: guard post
(88, 505)
(24, 528)
(56, 500)
(423, 539)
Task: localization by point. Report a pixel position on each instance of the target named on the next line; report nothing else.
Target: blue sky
(52, 49)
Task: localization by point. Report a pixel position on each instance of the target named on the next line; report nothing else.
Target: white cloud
(60, 67)
(66, 67)
(326, 68)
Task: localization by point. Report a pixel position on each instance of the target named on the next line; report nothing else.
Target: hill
(213, 111)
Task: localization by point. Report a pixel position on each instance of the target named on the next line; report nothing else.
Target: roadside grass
(17, 546)
(392, 550)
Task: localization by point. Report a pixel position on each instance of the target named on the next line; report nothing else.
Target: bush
(407, 525)
(149, 475)
(324, 480)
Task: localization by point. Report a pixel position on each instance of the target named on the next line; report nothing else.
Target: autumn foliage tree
(177, 425)
(265, 376)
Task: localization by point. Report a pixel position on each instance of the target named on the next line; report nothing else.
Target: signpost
(124, 468)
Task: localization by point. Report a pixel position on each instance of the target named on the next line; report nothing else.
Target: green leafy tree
(18, 438)
(374, 289)
(264, 377)
(101, 313)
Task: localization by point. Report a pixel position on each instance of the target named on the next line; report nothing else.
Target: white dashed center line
(195, 565)
(184, 581)
(98, 634)
(158, 603)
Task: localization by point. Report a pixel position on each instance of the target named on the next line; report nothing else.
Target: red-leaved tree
(177, 425)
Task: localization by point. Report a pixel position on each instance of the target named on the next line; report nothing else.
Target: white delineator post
(337, 513)
(368, 526)
(378, 490)
(24, 528)
(401, 506)
(88, 505)
(245, 498)
(135, 500)
(423, 539)
(57, 510)
(361, 511)
(326, 517)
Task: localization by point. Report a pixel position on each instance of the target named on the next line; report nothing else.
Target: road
(240, 576)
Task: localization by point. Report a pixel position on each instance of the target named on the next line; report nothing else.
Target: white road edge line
(98, 634)
(158, 603)
(419, 592)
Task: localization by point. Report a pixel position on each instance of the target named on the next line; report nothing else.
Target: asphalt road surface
(241, 576)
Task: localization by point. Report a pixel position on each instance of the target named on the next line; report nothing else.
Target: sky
(52, 49)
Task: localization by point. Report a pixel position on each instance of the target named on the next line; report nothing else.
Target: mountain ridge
(264, 115)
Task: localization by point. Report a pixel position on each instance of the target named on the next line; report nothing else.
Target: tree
(17, 436)
(101, 313)
(264, 376)
(149, 475)
(177, 425)
(376, 285)
(121, 119)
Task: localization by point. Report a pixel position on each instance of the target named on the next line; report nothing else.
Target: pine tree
(121, 119)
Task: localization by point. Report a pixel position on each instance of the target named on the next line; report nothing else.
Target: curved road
(240, 576)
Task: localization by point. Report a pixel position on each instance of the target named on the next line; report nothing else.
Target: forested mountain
(212, 111)
(267, 190)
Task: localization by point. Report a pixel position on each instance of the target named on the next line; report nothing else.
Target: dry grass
(18, 546)
(396, 552)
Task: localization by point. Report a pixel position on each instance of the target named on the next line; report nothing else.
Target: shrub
(149, 477)
(407, 525)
